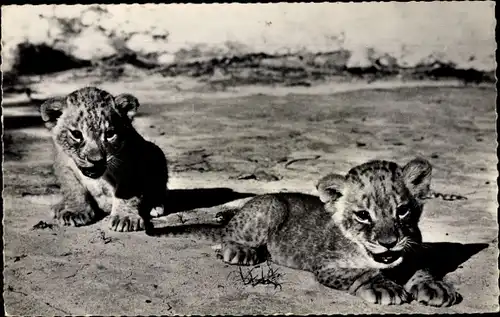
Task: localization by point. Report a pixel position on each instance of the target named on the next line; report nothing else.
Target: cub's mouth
(387, 257)
(95, 171)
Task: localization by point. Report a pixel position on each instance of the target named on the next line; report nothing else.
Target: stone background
(405, 33)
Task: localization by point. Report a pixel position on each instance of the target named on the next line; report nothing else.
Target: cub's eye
(362, 216)
(77, 135)
(403, 211)
(110, 134)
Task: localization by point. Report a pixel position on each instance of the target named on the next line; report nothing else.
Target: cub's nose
(96, 159)
(388, 242)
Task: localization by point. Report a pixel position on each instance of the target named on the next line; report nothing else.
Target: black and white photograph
(249, 159)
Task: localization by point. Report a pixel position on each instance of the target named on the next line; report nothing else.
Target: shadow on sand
(445, 257)
(20, 122)
(440, 258)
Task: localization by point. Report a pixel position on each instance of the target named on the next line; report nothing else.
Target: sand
(219, 148)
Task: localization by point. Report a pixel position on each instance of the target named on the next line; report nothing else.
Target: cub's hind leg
(155, 203)
(245, 238)
(240, 254)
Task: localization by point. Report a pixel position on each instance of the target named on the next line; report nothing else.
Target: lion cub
(101, 161)
(359, 236)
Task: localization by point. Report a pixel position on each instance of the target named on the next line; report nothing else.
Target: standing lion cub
(102, 163)
(360, 235)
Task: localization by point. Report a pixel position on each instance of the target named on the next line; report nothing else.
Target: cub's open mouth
(386, 257)
(94, 171)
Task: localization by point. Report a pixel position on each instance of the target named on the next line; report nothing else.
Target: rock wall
(461, 33)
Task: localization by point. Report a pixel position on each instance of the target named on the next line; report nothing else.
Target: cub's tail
(211, 232)
(160, 227)
(208, 229)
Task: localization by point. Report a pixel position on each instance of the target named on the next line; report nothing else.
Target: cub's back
(306, 217)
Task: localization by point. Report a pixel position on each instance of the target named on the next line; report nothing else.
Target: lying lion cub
(358, 236)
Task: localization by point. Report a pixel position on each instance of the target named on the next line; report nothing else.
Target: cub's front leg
(427, 290)
(77, 207)
(369, 284)
(125, 215)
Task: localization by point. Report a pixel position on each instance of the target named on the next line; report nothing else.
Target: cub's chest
(101, 191)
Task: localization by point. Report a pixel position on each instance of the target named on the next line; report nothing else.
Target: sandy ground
(215, 148)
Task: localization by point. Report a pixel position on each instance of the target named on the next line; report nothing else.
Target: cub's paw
(68, 217)
(435, 293)
(234, 253)
(383, 291)
(157, 212)
(126, 223)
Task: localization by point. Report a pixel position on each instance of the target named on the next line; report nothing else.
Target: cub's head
(378, 205)
(91, 126)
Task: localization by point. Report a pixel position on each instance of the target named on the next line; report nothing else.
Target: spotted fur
(360, 235)
(104, 166)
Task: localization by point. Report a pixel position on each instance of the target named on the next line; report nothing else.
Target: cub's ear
(330, 187)
(51, 110)
(417, 176)
(127, 105)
